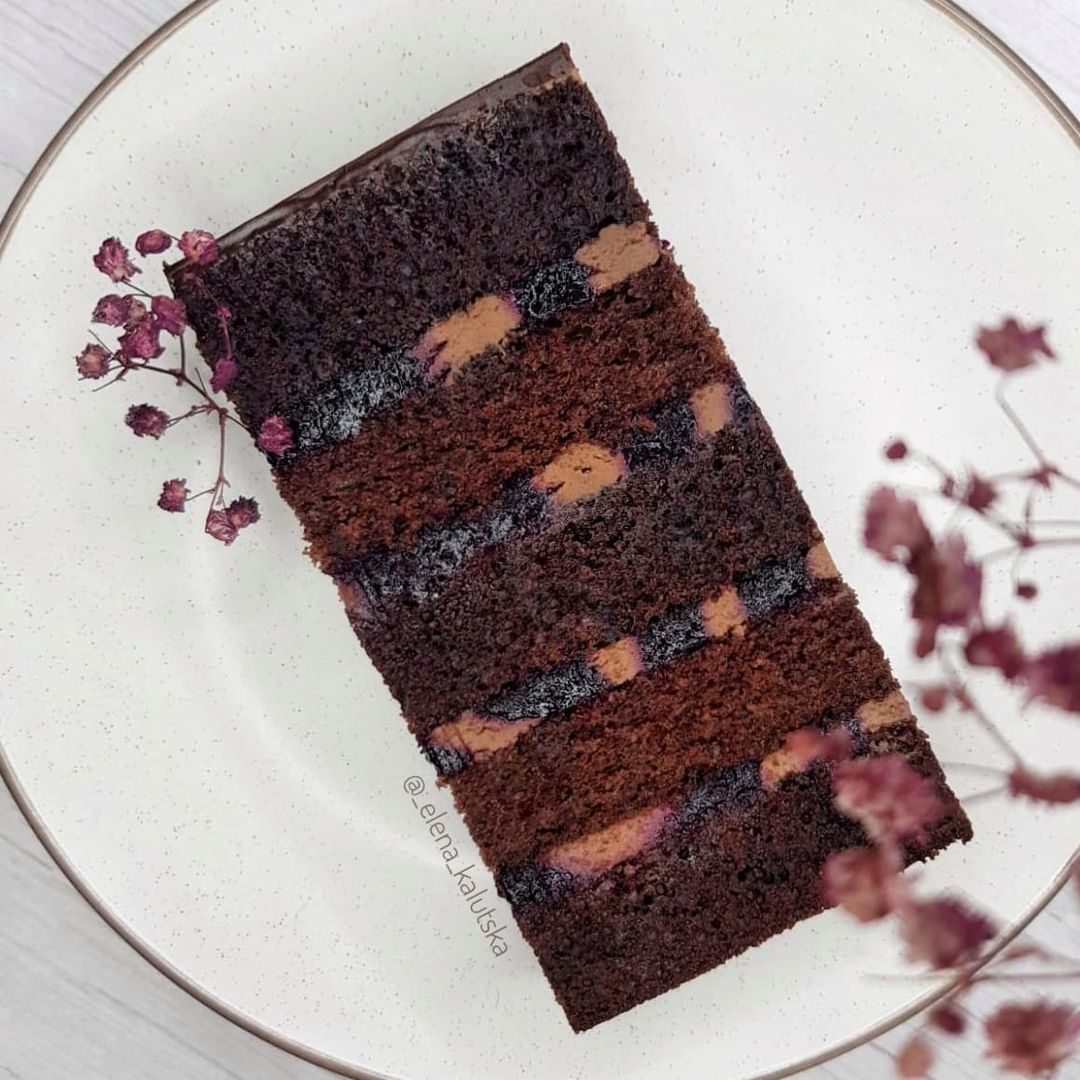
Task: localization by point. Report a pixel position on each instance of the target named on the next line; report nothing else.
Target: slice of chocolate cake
(563, 532)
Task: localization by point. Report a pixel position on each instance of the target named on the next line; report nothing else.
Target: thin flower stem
(958, 508)
(1029, 507)
(1048, 542)
(209, 405)
(929, 459)
(115, 379)
(1021, 428)
(1001, 524)
(961, 692)
(175, 373)
(1009, 976)
(982, 796)
(1006, 477)
(919, 489)
(986, 770)
(195, 410)
(220, 483)
(1014, 570)
(1037, 952)
(223, 322)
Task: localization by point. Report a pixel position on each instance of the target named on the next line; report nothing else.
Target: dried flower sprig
(892, 802)
(141, 319)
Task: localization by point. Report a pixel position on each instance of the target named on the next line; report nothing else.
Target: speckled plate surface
(193, 731)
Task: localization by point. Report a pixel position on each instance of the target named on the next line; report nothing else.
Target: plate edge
(952, 10)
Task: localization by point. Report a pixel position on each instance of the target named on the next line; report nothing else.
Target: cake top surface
(538, 74)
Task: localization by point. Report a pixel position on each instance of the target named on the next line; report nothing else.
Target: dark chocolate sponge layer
(531, 502)
(594, 576)
(679, 631)
(644, 341)
(338, 408)
(705, 894)
(642, 743)
(465, 205)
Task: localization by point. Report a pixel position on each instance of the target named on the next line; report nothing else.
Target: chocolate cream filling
(698, 704)
(572, 863)
(499, 722)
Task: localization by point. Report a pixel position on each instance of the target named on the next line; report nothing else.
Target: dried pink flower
(1013, 347)
(224, 372)
(199, 246)
(242, 512)
(865, 882)
(1054, 677)
(894, 528)
(142, 341)
(948, 1018)
(147, 420)
(896, 450)
(275, 436)
(996, 647)
(93, 362)
(136, 313)
(1057, 788)
(886, 796)
(1033, 1039)
(219, 527)
(934, 698)
(915, 1060)
(174, 494)
(112, 260)
(112, 310)
(948, 591)
(979, 493)
(944, 932)
(152, 242)
(170, 313)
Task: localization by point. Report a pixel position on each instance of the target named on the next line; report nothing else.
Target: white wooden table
(76, 1003)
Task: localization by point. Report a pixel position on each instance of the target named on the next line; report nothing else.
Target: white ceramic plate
(193, 730)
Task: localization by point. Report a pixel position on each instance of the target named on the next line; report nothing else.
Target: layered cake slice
(563, 532)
